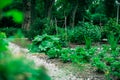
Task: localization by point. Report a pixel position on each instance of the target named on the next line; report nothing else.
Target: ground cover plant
(77, 35)
(44, 43)
(105, 58)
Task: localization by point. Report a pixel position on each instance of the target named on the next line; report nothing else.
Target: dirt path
(56, 69)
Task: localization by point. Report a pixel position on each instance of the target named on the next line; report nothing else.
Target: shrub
(65, 54)
(88, 42)
(84, 29)
(111, 27)
(3, 43)
(113, 41)
(10, 31)
(41, 26)
(44, 43)
(79, 55)
(83, 55)
(99, 19)
(35, 29)
(53, 53)
(107, 62)
(49, 27)
(62, 36)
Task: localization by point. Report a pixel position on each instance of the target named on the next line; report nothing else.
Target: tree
(78, 7)
(110, 8)
(48, 4)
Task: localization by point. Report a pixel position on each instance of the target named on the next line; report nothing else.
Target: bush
(41, 26)
(65, 54)
(10, 31)
(107, 62)
(3, 43)
(111, 27)
(49, 27)
(44, 43)
(78, 55)
(35, 29)
(84, 29)
(82, 55)
(99, 19)
(53, 53)
(62, 36)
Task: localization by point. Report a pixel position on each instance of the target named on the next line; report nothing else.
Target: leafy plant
(99, 19)
(12, 68)
(35, 29)
(3, 42)
(65, 54)
(15, 14)
(45, 42)
(113, 41)
(84, 29)
(111, 27)
(9, 31)
(49, 27)
(53, 53)
(88, 42)
(84, 54)
(107, 62)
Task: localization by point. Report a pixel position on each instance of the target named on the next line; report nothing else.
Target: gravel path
(54, 71)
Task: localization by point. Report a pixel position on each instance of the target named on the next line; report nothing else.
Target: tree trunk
(33, 12)
(27, 14)
(48, 4)
(73, 15)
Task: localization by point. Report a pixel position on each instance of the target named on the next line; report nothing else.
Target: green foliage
(110, 8)
(19, 34)
(53, 53)
(49, 27)
(62, 36)
(41, 26)
(9, 31)
(65, 54)
(12, 68)
(5, 3)
(3, 42)
(99, 19)
(88, 42)
(79, 55)
(17, 67)
(45, 42)
(83, 55)
(84, 29)
(113, 41)
(16, 15)
(111, 27)
(107, 62)
(36, 28)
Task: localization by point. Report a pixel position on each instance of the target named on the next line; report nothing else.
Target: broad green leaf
(17, 15)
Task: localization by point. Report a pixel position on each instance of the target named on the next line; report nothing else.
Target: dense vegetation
(52, 26)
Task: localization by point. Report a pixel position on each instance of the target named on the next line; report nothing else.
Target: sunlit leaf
(17, 15)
